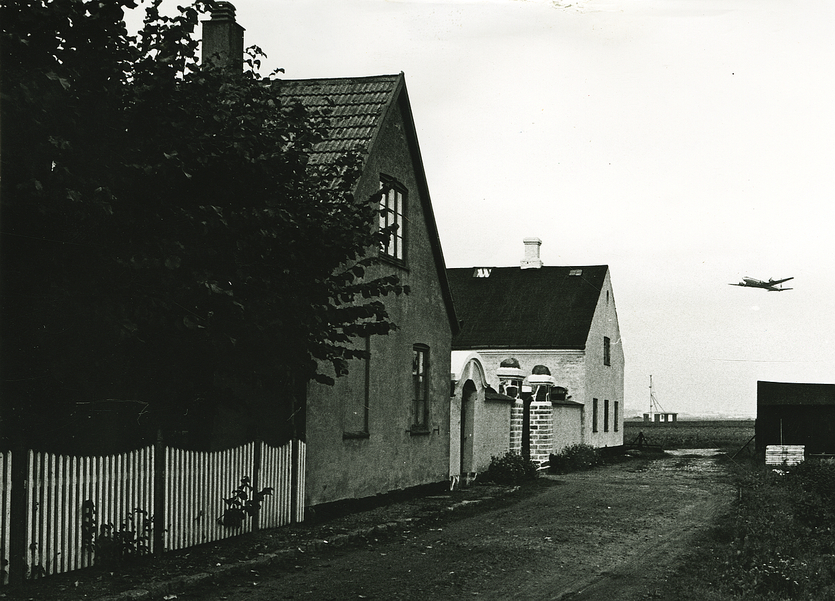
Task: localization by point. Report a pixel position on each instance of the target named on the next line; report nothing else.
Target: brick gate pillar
(517, 412)
(542, 431)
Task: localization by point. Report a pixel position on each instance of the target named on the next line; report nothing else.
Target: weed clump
(779, 543)
(511, 468)
(575, 458)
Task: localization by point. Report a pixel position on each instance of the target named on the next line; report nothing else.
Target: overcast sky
(684, 143)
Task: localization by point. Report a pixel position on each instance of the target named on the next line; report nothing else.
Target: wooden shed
(792, 413)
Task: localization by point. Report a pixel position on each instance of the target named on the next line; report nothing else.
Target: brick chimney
(531, 259)
(223, 38)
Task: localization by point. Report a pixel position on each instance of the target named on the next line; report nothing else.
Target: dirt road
(610, 533)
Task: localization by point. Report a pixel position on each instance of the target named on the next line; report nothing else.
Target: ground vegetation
(777, 543)
(510, 468)
(728, 435)
(576, 457)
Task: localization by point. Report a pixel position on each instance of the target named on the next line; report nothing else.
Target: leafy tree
(165, 239)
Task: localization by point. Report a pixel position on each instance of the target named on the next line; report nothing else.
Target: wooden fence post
(294, 480)
(256, 484)
(19, 515)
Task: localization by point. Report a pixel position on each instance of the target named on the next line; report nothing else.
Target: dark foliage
(244, 502)
(510, 468)
(165, 241)
(575, 458)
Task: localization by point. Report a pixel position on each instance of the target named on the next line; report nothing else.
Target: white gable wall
(604, 382)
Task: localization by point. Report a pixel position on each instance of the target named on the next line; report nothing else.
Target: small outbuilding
(661, 418)
(792, 413)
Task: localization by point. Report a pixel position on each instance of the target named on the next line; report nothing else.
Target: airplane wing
(775, 282)
(779, 289)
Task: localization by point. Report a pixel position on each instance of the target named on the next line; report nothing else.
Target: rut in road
(610, 533)
(613, 533)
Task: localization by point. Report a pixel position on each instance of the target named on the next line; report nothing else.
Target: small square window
(607, 357)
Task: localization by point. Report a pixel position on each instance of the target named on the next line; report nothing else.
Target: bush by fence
(510, 468)
(575, 458)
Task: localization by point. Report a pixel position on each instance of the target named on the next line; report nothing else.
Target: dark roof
(795, 393)
(568, 403)
(526, 308)
(357, 107)
(491, 395)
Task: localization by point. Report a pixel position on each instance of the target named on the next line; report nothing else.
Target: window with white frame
(392, 207)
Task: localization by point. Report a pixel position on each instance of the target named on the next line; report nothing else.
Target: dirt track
(611, 533)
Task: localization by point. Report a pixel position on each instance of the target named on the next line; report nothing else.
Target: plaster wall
(490, 421)
(567, 424)
(604, 382)
(566, 366)
(390, 455)
(492, 432)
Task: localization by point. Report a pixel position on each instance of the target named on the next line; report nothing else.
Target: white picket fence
(73, 500)
(74, 504)
(277, 472)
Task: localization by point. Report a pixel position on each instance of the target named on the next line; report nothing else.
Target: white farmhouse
(549, 338)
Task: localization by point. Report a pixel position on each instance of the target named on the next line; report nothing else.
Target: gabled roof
(545, 308)
(358, 106)
(794, 393)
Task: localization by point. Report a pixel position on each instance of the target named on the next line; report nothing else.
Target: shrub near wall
(510, 468)
(575, 458)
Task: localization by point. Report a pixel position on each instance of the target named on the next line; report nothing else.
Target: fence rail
(77, 511)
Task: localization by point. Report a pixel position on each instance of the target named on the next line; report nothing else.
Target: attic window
(392, 211)
(482, 272)
(575, 272)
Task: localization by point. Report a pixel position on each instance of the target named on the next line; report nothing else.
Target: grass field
(778, 543)
(728, 435)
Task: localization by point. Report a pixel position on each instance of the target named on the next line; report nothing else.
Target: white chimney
(532, 260)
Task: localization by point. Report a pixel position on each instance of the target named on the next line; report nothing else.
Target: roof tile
(355, 105)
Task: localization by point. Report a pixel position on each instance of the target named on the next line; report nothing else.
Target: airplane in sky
(770, 285)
